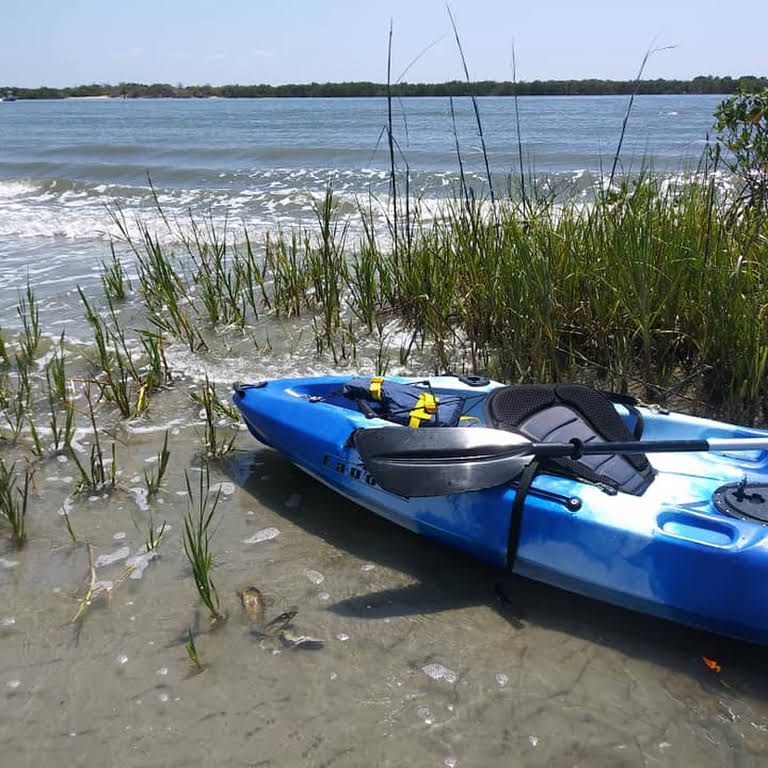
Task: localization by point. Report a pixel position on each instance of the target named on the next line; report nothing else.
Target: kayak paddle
(447, 460)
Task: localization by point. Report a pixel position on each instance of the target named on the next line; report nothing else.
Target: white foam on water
(5, 563)
(225, 488)
(534, 740)
(439, 672)
(119, 535)
(426, 714)
(367, 567)
(265, 534)
(342, 637)
(139, 563)
(7, 621)
(13, 684)
(118, 554)
(122, 659)
(314, 576)
(502, 679)
(10, 188)
(140, 427)
(140, 497)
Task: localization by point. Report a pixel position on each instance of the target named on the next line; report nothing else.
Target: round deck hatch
(745, 501)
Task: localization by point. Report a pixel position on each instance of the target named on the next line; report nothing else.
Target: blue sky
(70, 42)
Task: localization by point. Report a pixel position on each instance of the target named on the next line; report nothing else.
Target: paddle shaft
(577, 448)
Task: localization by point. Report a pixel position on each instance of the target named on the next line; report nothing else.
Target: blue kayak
(682, 535)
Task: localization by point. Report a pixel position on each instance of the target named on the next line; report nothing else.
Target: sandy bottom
(422, 663)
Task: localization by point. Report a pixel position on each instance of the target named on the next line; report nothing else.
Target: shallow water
(423, 663)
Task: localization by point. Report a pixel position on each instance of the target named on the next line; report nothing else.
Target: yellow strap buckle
(426, 406)
(375, 387)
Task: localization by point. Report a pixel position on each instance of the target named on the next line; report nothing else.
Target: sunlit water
(422, 663)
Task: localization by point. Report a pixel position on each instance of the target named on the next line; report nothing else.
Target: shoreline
(563, 87)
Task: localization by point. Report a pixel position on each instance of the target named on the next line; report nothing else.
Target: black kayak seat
(558, 413)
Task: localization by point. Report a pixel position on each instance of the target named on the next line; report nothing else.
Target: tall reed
(13, 501)
(113, 278)
(29, 314)
(197, 541)
(215, 444)
(101, 473)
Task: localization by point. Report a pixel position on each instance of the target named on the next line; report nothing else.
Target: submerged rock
(253, 604)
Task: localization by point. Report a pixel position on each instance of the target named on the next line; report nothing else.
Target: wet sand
(422, 663)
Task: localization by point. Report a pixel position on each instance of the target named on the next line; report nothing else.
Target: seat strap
(376, 382)
(426, 407)
(516, 513)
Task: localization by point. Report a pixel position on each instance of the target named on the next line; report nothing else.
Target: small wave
(12, 188)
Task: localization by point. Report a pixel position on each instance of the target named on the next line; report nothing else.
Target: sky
(63, 43)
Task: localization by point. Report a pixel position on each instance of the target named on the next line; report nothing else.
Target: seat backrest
(558, 413)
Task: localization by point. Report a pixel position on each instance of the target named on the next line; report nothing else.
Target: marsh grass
(191, 649)
(29, 314)
(114, 359)
(18, 399)
(215, 445)
(646, 284)
(90, 591)
(124, 378)
(65, 510)
(13, 501)
(5, 360)
(153, 478)
(197, 541)
(101, 473)
(61, 414)
(96, 588)
(647, 281)
(154, 535)
(115, 282)
(56, 372)
(156, 372)
(161, 284)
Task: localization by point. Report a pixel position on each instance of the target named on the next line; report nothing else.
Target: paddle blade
(441, 461)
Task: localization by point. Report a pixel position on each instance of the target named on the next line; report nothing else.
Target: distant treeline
(591, 87)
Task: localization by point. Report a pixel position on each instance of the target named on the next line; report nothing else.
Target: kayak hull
(669, 552)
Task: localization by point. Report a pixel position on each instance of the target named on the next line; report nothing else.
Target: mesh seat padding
(560, 412)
